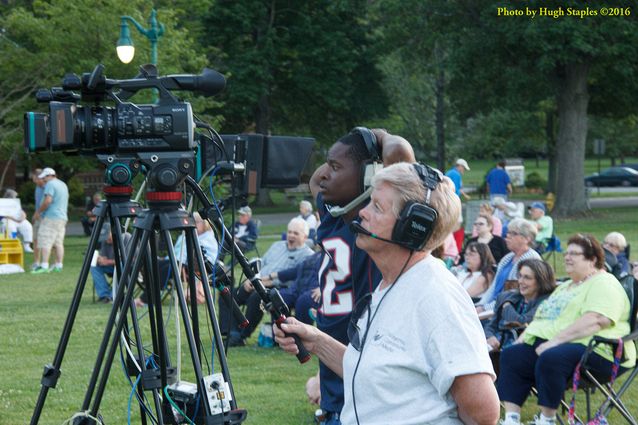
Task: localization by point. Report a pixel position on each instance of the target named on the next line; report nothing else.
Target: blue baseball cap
(538, 205)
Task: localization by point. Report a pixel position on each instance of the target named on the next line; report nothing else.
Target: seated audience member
(208, 244)
(280, 256)
(19, 224)
(105, 265)
(245, 232)
(497, 226)
(591, 303)
(303, 293)
(516, 308)
(305, 212)
(520, 240)
(616, 244)
(483, 226)
(476, 274)
(544, 225)
(88, 220)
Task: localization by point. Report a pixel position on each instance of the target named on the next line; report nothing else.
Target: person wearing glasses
(616, 262)
(417, 352)
(483, 226)
(520, 241)
(592, 302)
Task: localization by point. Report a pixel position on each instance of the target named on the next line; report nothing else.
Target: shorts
(36, 227)
(51, 233)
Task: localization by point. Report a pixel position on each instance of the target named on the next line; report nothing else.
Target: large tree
(496, 59)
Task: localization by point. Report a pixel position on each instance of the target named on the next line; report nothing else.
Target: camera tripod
(211, 400)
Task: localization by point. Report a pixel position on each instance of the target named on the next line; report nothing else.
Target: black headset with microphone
(416, 221)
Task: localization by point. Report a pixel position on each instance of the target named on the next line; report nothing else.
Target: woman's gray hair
(407, 185)
(617, 239)
(524, 227)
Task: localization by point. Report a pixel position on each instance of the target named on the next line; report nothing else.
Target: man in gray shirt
(281, 255)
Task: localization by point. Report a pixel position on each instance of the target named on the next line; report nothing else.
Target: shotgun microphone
(356, 227)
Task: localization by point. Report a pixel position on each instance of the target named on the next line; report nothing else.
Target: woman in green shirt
(591, 303)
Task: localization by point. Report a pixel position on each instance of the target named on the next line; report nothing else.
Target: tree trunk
(440, 111)
(552, 172)
(573, 99)
(262, 126)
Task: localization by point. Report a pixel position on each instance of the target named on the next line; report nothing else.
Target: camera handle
(271, 299)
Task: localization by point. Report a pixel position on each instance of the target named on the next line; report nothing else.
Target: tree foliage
(304, 67)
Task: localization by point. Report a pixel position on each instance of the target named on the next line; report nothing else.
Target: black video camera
(126, 127)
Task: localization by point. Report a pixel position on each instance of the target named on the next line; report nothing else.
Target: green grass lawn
(267, 382)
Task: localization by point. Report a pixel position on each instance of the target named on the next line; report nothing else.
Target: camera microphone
(209, 82)
(356, 227)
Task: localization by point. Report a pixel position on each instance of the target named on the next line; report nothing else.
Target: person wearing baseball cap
(544, 224)
(456, 174)
(245, 230)
(53, 212)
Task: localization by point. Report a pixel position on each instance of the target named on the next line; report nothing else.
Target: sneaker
(27, 248)
(34, 266)
(508, 422)
(40, 270)
(55, 269)
(538, 421)
(105, 300)
(236, 341)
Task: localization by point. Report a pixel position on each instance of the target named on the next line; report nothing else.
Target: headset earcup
(414, 225)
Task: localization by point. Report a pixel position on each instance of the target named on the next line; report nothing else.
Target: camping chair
(553, 247)
(589, 383)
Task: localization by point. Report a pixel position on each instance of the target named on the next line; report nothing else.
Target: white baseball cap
(46, 172)
(463, 163)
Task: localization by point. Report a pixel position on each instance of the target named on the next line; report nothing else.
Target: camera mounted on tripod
(167, 125)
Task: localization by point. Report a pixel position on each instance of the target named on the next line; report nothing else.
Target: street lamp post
(125, 48)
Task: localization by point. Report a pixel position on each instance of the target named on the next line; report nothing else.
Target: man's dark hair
(501, 163)
(356, 147)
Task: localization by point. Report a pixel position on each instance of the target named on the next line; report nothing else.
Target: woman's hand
(494, 343)
(309, 336)
(546, 346)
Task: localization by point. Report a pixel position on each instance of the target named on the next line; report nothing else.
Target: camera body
(124, 128)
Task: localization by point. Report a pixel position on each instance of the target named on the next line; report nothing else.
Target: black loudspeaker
(371, 166)
(416, 221)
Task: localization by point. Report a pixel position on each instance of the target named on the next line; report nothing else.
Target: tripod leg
(52, 371)
(210, 305)
(136, 329)
(187, 324)
(122, 301)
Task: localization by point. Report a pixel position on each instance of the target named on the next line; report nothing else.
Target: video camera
(165, 126)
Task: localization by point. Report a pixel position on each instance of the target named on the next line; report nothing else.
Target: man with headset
(346, 273)
(417, 351)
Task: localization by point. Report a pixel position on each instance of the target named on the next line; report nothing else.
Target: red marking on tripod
(118, 190)
(164, 196)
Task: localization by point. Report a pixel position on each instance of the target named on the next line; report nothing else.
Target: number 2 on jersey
(341, 302)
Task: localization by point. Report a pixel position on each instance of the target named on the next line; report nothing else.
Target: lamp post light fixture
(125, 48)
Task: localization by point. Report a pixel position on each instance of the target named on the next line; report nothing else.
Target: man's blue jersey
(346, 274)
